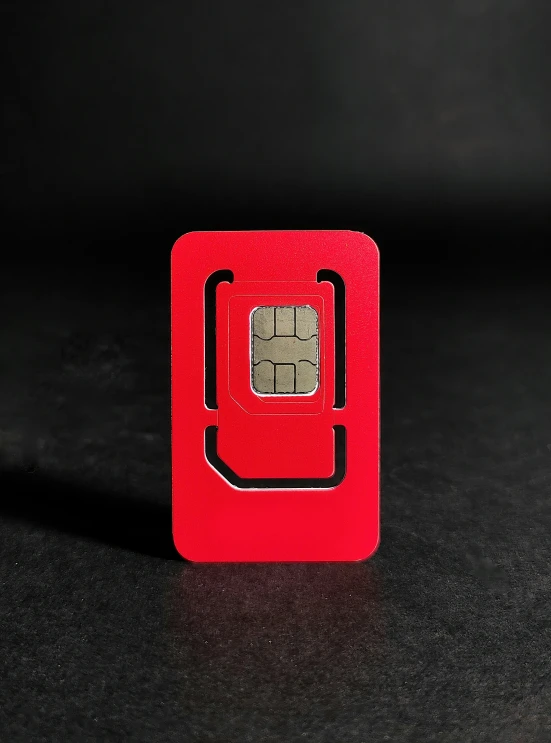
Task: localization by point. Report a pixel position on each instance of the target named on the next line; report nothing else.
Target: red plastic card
(275, 396)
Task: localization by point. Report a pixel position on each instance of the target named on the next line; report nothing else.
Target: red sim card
(275, 396)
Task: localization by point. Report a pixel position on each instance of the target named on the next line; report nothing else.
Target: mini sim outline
(286, 475)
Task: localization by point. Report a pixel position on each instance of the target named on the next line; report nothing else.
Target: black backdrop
(125, 124)
(417, 122)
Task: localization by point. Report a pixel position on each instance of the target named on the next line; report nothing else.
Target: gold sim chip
(285, 357)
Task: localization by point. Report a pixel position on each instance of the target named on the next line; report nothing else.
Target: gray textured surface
(443, 636)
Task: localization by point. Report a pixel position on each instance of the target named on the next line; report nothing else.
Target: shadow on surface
(298, 633)
(116, 520)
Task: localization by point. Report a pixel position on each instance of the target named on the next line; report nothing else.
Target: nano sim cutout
(284, 358)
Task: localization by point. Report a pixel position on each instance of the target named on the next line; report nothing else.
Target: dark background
(426, 125)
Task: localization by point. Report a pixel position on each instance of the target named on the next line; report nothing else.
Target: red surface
(263, 437)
